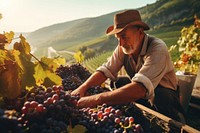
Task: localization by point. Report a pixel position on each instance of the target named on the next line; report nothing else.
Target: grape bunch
(54, 110)
(15, 103)
(72, 76)
(106, 119)
(48, 110)
(71, 83)
(9, 122)
(96, 90)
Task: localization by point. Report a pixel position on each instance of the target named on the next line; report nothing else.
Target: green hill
(165, 17)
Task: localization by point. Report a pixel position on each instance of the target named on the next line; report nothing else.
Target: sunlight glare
(4, 5)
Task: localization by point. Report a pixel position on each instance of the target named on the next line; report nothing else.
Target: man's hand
(79, 91)
(89, 101)
(95, 79)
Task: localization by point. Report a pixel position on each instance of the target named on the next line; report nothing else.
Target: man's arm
(126, 94)
(97, 78)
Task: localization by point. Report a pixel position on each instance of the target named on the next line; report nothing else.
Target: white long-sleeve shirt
(154, 66)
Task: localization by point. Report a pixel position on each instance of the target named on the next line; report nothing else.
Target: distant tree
(89, 53)
(83, 49)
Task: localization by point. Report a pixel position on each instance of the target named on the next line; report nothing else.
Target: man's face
(129, 39)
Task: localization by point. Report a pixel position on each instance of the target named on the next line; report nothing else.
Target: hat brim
(111, 30)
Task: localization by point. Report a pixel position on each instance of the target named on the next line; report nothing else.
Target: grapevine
(20, 69)
(189, 49)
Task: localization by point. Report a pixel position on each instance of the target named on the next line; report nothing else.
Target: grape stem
(35, 57)
(125, 127)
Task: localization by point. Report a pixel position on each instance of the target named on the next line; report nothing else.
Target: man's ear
(141, 30)
(141, 33)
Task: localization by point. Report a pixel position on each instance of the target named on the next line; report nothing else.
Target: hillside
(165, 17)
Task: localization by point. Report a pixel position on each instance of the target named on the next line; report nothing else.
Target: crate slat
(183, 127)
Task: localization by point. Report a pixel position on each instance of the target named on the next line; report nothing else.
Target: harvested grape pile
(53, 110)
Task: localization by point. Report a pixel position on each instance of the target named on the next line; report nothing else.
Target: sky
(30, 15)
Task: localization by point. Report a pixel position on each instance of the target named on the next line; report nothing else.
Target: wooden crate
(172, 125)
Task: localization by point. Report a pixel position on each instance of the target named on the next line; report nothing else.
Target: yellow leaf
(3, 56)
(53, 64)
(9, 36)
(79, 57)
(25, 44)
(39, 74)
(52, 79)
(14, 54)
(60, 61)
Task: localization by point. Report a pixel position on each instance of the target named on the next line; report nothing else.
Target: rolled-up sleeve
(113, 65)
(139, 77)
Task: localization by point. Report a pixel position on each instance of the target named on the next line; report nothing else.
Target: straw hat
(124, 19)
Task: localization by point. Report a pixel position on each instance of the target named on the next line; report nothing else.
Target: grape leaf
(52, 79)
(40, 73)
(10, 80)
(44, 76)
(2, 56)
(49, 67)
(23, 47)
(15, 55)
(27, 66)
(9, 36)
(26, 46)
(20, 72)
(28, 79)
(53, 64)
(2, 41)
(60, 60)
(79, 57)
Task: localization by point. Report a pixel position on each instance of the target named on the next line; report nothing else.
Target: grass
(93, 63)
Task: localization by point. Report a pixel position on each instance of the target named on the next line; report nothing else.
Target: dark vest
(127, 62)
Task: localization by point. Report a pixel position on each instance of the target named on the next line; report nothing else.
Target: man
(146, 61)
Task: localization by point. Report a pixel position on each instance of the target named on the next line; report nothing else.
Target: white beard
(127, 50)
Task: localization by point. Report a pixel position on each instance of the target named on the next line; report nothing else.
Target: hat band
(118, 26)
